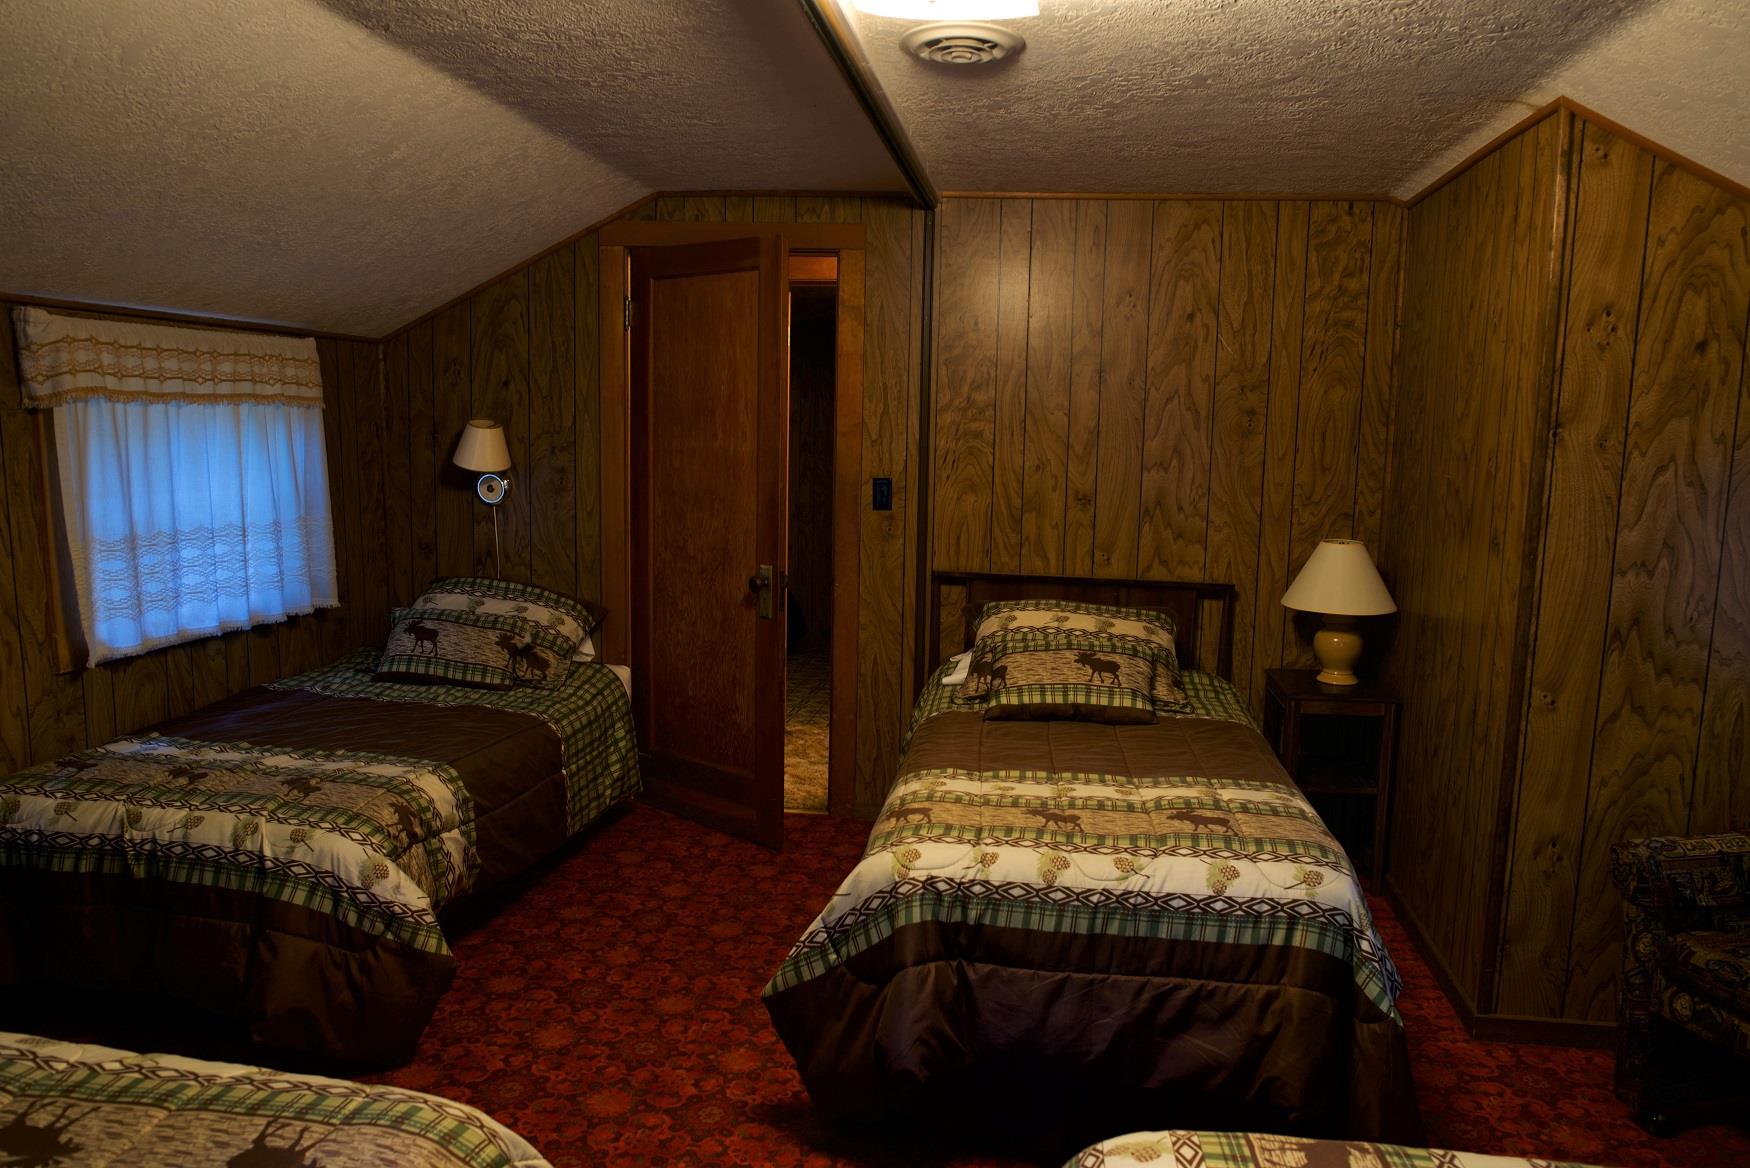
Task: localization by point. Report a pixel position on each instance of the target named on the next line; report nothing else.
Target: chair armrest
(1684, 872)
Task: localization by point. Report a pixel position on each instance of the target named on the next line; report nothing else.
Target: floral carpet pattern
(611, 1015)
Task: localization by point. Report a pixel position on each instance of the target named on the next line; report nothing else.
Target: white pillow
(585, 649)
(962, 664)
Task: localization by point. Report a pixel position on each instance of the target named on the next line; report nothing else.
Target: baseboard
(1495, 1027)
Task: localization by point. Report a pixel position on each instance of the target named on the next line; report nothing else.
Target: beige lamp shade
(1339, 579)
(483, 447)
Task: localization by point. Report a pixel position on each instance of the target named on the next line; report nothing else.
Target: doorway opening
(809, 606)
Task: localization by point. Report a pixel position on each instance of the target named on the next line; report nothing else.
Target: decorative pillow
(454, 647)
(560, 624)
(1055, 673)
(1131, 631)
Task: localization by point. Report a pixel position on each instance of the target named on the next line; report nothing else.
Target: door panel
(709, 445)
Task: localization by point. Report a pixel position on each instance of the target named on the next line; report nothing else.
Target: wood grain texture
(422, 455)
(1241, 409)
(1280, 435)
(965, 380)
(1179, 401)
(14, 711)
(1124, 364)
(453, 340)
(1476, 340)
(1087, 302)
(586, 380)
(1045, 471)
(1333, 340)
(1721, 798)
(1379, 375)
(551, 477)
(499, 318)
(396, 471)
(1677, 459)
(1614, 180)
(1009, 449)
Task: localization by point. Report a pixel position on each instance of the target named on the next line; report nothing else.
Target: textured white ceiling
(1228, 96)
(346, 166)
(1676, 73)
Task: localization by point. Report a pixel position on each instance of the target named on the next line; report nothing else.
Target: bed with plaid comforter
(1121, 923)
(282, 857)
(66, 1103)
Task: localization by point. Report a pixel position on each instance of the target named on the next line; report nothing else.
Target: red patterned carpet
(611, 1014)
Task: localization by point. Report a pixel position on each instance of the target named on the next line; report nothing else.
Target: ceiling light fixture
(953, 43)
(950, 9)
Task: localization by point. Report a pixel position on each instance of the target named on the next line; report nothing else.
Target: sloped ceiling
(347, 166)
(1345, 96)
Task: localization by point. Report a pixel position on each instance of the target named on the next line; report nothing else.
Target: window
(193, 476)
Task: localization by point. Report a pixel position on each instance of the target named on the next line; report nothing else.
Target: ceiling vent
(961, 44)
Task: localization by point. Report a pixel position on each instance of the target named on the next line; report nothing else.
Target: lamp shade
(1339, 579)
(483, 448)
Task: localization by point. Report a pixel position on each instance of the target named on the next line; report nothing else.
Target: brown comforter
(281, 857)
(1127, 924)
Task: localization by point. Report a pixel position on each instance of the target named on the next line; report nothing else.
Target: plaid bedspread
(591, 714)
(1192, 1149)
(72, 1104)
(1155, 908)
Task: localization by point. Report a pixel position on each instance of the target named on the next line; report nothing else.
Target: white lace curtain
(194, 478)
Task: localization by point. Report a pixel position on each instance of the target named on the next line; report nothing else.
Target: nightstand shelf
(1336, 743)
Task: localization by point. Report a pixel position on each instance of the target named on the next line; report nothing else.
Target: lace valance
(74, 358)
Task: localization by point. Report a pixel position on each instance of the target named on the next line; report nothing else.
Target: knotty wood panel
(1695, 292)
(1160, 413)
(1474, 341)
(1124, 358)
(1045, 476)
(552, 473)
(1010, 439)
(396, 468)
(44, 714)
(1613, 182)
(1180, 393)
(499, 317)
(965, 386)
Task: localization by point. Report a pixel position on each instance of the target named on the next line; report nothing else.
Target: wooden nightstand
(1336, 744)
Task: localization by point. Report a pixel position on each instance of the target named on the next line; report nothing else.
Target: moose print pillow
(1055, 673)
(453, 647)
(559, 624)
(1099, 634)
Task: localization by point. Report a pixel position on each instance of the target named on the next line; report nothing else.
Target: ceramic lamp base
(1337, 645)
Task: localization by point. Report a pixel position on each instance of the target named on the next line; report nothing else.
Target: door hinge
(626, 314)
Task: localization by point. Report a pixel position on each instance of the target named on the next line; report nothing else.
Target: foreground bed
(1138, 921)
(66, 1103)
(1189, 1149)
(281, 857)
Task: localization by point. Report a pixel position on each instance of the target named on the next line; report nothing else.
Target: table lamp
(1340, 583)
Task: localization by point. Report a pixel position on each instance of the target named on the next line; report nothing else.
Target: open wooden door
(708, 451)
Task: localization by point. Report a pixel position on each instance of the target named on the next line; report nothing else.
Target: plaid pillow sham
(560, 623)
(1098, 629)
(453, 647)
(1055, 674)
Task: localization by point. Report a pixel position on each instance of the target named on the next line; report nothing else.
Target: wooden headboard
(956, 598)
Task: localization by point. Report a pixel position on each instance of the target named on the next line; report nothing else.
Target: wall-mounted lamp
(483, 449)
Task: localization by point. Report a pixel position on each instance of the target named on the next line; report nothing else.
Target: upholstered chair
(1685, 972)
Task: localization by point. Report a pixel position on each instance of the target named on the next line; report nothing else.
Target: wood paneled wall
(1569, 540)
(1639, 715)
(1171, 390)
(44, 714)
(1479, 308)
(525, 351)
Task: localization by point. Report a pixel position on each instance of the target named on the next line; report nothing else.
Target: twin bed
(1128, 915)
(282, 858)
